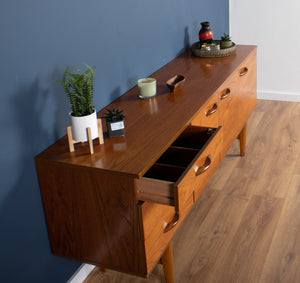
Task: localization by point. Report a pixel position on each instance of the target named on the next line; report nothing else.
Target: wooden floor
(246, 225)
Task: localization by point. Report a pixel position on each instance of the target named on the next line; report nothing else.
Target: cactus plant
(225, 41)
(225, 37)
(113, 115)
(114, 122)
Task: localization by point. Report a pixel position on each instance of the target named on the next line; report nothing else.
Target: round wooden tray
(196, 51)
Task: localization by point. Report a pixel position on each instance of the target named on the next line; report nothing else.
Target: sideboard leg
(243, 140)
(167, 261)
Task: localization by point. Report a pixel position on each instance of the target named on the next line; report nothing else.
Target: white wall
(274, 26)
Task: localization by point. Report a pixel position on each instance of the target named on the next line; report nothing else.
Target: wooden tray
(196, 51)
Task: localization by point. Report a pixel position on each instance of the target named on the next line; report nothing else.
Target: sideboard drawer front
(229, 113)
(183, 168)
(209, 115)
(199, 170)
(154, 218)
(214, 149)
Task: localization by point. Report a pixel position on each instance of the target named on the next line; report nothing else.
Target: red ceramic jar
(205, 33)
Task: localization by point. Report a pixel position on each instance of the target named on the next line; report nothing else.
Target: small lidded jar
(205, 48)
(215, 46)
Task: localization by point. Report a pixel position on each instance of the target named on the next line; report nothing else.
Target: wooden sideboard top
(151, 125)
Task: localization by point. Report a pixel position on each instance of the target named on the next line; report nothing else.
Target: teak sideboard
(120, 207)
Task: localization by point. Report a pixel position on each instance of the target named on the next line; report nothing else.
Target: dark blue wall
(125, 40)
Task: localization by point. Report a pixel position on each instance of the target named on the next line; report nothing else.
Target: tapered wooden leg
(167, 261)
(243, 140)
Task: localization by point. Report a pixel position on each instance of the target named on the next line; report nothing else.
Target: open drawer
(183, 169)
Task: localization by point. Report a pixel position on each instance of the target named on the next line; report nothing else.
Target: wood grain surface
(92, 217)
(245, 226)
(152, 125)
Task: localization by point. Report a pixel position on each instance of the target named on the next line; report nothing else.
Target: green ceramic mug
(147, 87)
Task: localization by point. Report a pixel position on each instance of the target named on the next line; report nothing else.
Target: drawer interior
(177, 156)
(194, 137)
(174, 161)
(164, 172)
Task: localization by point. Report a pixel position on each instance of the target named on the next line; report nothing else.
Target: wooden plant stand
(89, 133)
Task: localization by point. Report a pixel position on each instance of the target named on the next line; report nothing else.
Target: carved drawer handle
(213, 109)
(205, 166)
(244, 71)
(225, 93)
(173, 222)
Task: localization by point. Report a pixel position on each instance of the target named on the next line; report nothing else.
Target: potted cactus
(79, 88)
(115, 122)
(225, 41)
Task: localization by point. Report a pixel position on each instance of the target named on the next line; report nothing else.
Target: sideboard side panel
(92, 217)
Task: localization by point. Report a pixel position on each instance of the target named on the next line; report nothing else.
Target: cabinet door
(237, 101)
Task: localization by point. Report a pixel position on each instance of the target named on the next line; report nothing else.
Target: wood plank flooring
(246, 225)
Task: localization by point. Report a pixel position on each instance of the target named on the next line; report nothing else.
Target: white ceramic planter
(80, 125)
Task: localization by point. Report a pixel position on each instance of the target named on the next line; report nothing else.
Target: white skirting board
(276, 95)
(81, 274)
